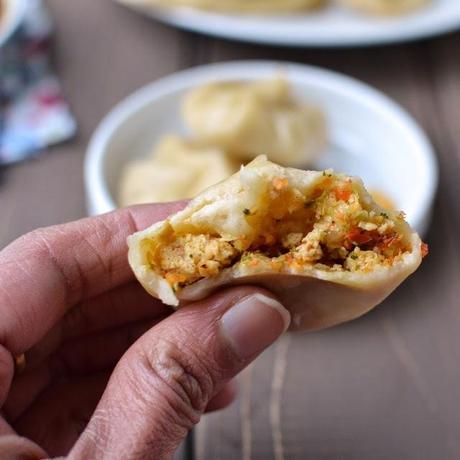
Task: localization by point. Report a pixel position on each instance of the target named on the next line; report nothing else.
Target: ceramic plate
(331, 26)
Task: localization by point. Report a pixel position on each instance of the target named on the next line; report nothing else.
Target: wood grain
(383, 387)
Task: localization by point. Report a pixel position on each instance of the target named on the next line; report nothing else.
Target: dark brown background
(383, 387)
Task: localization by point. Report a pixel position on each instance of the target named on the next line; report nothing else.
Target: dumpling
(315, 239)
(175, 170)
(385, 7)
(252, 118)
(248, 6)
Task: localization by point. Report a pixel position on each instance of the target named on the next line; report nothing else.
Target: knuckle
(182, 379)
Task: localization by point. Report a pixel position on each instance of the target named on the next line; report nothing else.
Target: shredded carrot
(254, 263)
(288, 258)
(276, 264)
(342, 194)
(295, 265)
(359, 236)
(425, 250)
(316, 193)
(173, 278)
(327, 182)
(280, 183)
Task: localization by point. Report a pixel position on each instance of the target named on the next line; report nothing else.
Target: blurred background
(385, 386)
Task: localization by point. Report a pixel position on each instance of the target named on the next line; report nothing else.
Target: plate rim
(182, 18)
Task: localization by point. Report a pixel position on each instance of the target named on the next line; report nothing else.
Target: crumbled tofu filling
(330, 230)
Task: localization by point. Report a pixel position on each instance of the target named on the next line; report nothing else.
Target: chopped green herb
(246, 211)
(354, 256)
(384, 214)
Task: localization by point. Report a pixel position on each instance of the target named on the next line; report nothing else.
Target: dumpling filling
(334, 228)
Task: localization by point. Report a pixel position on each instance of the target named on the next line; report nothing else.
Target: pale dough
(247, 119)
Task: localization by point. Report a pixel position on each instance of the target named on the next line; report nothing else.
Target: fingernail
(254, 323)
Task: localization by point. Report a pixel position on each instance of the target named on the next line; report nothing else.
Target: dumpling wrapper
(242, 6)
(320, 217)
(385, 7)
(176, 169)
(249, 118)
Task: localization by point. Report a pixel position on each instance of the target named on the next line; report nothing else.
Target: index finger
(49, 270)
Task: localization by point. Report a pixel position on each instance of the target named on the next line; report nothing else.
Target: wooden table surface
(386, 386)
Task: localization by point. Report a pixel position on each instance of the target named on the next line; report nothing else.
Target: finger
(5, 428)
(47, 271)
(87, 355)
(165, 381)
(16, 447)
(224, 398)
(6, 373)
(57, 419)
(125, 304)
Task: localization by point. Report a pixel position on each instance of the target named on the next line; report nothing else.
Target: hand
(111, 372)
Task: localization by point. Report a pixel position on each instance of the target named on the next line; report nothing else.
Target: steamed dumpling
(176, 169)
(385, 7)
(250, 6)
(315, 239)
(251, 118)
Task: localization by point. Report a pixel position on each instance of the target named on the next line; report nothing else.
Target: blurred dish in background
(176, 169)
(331, 25)
(368, 134)
(285, 6)
(244, 6)
(386, 7)
(249, 118)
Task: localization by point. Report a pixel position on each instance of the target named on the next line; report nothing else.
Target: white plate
(371, 136)
(332, 26)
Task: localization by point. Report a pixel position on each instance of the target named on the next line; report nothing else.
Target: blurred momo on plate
(249, 118)
(248, 6)
(315, 239)
(386, 7)
(176, 169)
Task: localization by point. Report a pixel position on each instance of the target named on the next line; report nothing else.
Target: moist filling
(331, 229)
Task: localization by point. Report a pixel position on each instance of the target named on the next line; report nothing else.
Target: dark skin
(69, 302)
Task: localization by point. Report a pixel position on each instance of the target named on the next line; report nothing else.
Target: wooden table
(386, 386)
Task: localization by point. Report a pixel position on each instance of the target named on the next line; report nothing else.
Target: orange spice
(280, 183)
(342, 194)
(173, 278)
(425, 250)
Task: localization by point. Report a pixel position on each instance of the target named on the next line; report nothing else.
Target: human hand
(111, 372)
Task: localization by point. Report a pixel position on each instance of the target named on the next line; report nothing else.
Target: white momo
(175, 170)
(247, 119)
(244, 6)
(315, 239)
(385, 7)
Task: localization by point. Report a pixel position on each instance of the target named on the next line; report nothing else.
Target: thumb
(162, 385)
